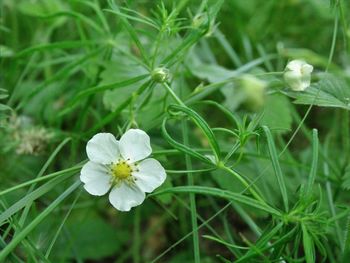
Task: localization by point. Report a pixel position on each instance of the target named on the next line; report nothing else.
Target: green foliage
(277, 115)
(99, 240)
(256, 172)
(330, 91)
(277, 167)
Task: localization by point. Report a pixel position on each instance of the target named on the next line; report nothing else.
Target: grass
(255, 171)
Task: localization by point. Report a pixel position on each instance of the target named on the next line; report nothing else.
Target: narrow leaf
(21, 235)
(313, 170)
(221, 194)
(277, 167)
(181, 147)
(309, 247)
(202, 124)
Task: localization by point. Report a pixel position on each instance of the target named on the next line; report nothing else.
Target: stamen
(121, 170)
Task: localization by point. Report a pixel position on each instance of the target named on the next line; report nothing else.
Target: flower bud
(199, 20)
(203, 21)
(160, 75)
(254, 92)
(297, 75)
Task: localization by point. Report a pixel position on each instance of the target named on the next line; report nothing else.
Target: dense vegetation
(257, 171)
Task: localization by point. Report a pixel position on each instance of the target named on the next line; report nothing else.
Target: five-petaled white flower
(297, 75)
(122, 167)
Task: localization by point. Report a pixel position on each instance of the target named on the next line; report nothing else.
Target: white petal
(135, 145)
(151, 175)
(306, 69)
(96, 179)
(298, 75)
(295, 65)
(123, 197)
(305, 81)
(103, 148)
(293, 80)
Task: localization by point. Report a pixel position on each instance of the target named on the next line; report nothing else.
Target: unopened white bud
(297, 75)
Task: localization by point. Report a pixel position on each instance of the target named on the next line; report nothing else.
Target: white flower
(297, 75)
(122, 167)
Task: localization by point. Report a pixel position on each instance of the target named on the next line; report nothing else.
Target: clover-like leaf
(328, 92)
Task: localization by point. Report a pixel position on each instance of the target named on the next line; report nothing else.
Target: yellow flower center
(121, 170)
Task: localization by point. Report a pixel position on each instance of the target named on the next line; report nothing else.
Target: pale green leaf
(330, 91)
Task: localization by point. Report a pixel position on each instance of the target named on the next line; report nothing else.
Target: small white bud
(297, 75)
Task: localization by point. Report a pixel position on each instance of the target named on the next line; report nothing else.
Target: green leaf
(77, 15)
(227, 244)
(181, 147)
(134, 16)
(202, 124)
(4, 107)
(116, 85)
(21, 235)
(277, 167)
(55, 45)
(309, 246)
(166, 198)
(226, 85)
(130, 29)
(62, 223)
(262, 243)
(93, 239)
(111, 116)
(277, 114)
(313, 171)
(221, 194)
(227, 47)
(346, 253)
(212, 72)
(265, 242)
(330, 91)
(63, 73)
(226, 182)
(40, 7)
(44, 8)
(63, 175)
(120, 71)
(346, 178)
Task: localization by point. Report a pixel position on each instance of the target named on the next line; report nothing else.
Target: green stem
(192, 197)
(244, 182)
(334, 40)
(269, 73)
(173, 95)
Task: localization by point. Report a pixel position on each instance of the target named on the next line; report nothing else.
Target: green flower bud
(201, 21)
(160, 75)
